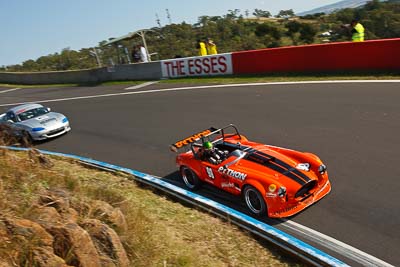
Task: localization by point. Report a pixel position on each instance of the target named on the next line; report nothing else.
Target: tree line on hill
(231, 32)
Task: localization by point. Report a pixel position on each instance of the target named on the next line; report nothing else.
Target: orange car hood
(263, 163)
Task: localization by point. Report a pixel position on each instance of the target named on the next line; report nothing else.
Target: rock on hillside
(56, 236)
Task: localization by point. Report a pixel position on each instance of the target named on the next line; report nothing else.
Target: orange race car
(276, 181)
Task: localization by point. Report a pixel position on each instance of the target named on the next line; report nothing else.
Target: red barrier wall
(369, 55)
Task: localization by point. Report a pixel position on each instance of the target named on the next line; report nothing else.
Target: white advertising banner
(219, 64)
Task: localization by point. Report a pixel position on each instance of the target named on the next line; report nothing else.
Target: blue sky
(33, 28)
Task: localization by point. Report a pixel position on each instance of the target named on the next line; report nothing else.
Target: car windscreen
(32, 113)
(238, 153)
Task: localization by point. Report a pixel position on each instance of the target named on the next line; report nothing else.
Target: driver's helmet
(208, 145)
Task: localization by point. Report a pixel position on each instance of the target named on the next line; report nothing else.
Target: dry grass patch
(156, 231)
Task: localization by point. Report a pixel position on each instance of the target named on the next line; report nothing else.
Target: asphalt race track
(353, 127)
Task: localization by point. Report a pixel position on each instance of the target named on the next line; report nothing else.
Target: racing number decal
(210, 173)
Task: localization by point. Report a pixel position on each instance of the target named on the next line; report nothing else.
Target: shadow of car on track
(219, 196)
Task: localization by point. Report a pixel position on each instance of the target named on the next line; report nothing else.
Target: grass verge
(110, 83)
(160, 232)
(286, 77)
(38, 85)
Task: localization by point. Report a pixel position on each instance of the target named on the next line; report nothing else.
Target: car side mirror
(48, 109)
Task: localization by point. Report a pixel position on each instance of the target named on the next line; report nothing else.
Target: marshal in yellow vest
(358, 33)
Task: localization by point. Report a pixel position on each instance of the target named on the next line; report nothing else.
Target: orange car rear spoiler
(191, 139)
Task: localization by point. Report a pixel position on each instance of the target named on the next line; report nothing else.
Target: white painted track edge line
(140, 85)
(9, 90)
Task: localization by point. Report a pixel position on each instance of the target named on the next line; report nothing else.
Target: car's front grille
(56, 131)
(305, 189)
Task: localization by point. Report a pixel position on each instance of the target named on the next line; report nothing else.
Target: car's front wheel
(190, 178)
(254, 200)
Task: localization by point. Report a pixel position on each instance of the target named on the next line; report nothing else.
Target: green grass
(286, 77)
(39, 85)
(122, 83)
(71, 84)
(289, 77)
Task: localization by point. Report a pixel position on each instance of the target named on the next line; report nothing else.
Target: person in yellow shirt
(357, 31)
(201, 45)
(211, 47)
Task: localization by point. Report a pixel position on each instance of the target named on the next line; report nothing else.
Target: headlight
(282, 191)
(65, 120)
(37, 129)
(322, 169)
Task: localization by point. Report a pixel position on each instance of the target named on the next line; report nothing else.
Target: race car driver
(213, 154)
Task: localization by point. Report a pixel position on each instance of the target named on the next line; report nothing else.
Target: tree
(267, 29)
(202, 21)
(261, 13)
(30, 65)
(313, 16)
(372, 5)
(233, 14)
(307, 33)
(344, 16)
(285, 13)
(293, 27)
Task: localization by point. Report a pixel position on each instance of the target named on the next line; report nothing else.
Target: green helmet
(207, 145)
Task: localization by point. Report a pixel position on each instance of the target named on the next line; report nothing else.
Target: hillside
(233, 32)
(328, 9)
(56, 212)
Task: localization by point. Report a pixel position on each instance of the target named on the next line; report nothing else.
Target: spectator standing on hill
(201, 45)
(211, 47)
(357, 31)
(135, 55)
(142, 53)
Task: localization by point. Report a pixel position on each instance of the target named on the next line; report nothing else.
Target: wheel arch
(257, 185)
(191, 181)
(260, 188)
(190, 168)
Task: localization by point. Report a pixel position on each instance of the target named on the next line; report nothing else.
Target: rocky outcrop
(107, 243)
(55, 235)
(74, 245)
(59, 199)
(28, 243)
(37, 157)
(108, 214)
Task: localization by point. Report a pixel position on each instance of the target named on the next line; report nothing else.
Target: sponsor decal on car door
(232, 179)
(210, 174)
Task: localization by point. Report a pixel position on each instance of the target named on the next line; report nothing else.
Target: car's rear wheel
(254, 201)
(190, 178)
